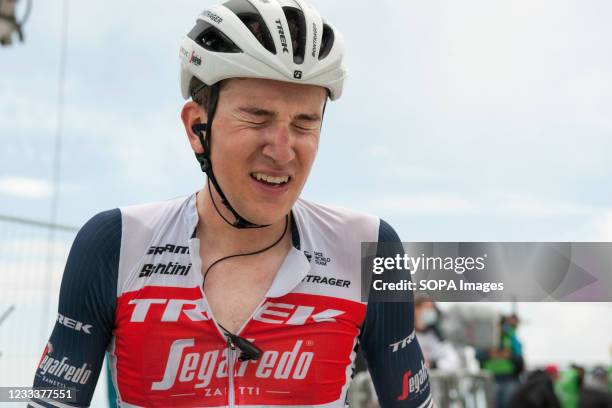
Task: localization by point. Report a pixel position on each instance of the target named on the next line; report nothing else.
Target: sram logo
(170, 248)
(195, 310)
(200, 368)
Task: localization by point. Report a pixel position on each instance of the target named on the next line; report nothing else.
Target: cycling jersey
(133, 287)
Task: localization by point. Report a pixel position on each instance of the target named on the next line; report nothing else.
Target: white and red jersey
(133, 287)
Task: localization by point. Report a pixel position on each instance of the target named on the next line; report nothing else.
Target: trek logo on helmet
(281, 34)
(297, 74)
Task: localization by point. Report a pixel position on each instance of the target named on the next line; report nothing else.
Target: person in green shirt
(505, 362)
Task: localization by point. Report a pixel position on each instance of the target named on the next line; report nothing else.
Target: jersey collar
(294, 268)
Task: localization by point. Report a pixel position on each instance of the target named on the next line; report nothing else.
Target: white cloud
(24, 107)
(144, 146)
(603, 225)
(379, 151)
(543, 320)
(422, 203)
(393, 162)
(25, 187)
(501, 204)
(525, 205)
(139, 142)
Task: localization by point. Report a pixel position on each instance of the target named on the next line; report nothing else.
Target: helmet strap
(204, 132)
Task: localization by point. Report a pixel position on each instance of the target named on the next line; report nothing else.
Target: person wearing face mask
(505, 362)
(439, 353)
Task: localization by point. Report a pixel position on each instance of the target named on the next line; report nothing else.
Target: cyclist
(243, 293)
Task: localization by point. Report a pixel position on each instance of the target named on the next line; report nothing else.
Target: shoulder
(113, 223)
(113, 234)
(386, 233)
(150, 213)
(92, 265)
(335, 219)
(101, 232)
(363, 226)
(169, 222)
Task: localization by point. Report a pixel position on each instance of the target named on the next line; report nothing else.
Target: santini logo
(171, 268)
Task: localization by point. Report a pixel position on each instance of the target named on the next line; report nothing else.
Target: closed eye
(254, 123)
(307, 125)
(306, 128)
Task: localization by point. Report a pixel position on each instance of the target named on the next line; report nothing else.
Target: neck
(219, 237)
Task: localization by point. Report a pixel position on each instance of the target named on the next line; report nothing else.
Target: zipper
(231, 355)
(232, 352)
(230, 371)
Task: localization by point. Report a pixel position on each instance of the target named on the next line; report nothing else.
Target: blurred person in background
(439, 353)
(598, 379)
(568, 386)
(594, 391)
(537, 391)
(505, 362)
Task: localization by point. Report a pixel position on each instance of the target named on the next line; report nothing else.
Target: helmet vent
(211, 38)
(214, 40)
(327, 41)
(297, 29)
(254, 22)
(258, 28)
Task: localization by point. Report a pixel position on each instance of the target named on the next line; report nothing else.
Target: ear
(193, 114)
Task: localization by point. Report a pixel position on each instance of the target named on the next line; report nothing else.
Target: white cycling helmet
(252, 39)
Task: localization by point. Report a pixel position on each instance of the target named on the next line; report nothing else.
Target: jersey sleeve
(389, 343)
(74, 354)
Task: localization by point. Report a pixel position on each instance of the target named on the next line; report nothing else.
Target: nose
(279, 144)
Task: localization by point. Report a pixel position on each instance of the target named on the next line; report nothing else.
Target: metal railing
(449, 390)
(32, 257)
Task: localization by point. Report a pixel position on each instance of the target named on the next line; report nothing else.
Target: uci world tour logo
(318, 256)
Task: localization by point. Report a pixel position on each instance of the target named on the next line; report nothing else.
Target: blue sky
(460, 120)
(471, 120)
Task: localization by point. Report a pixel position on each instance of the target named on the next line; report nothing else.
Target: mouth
(271, 181)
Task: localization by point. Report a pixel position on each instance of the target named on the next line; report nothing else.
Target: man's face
(264, 141)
